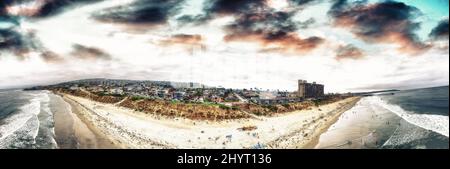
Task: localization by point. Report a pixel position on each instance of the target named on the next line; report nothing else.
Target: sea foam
(25, 117)
(436, 123)
(16, 121)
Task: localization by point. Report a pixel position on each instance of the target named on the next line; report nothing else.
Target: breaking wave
(436, 123)
(23, 127)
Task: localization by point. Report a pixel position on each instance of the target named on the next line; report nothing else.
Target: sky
(347, 45)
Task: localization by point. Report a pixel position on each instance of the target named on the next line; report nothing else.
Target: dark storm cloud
(141, 12)
(21, 44)
(257, 22)
(42, 8)
(388, 21)
(51, 57)
(3, 5)
(307, 23)
(10, 39)
(90, 53)
(184, 39)
(349, 52)
(4, 16)
(244, 6)
(215, 8)
(14, 42)
(440, 31)
(193, 19)
(270, 28)
(272, 24)
(234, 6)
(303, 2)
(52, 7)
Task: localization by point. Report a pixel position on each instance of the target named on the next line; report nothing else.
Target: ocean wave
(23, 137)
(19, 119)
(408, 136)
(436, 123)
(25, 117)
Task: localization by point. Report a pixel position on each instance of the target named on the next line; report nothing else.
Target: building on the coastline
(116, 90)
(195, 92)
(310, 90)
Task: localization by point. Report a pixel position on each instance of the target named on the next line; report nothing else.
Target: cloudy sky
(270, 44)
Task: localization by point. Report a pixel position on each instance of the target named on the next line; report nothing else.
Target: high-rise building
(309, 90)
(301, 88)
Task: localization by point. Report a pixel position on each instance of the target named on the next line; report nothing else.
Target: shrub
(317, 102)
(117, 95)
(271, 107)
(234, 108)
(134, 98)
(224, 107)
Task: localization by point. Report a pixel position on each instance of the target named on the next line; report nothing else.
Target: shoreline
(88, 117)
(86, 135)
(315, 140)
(130, 129)
(316, 129)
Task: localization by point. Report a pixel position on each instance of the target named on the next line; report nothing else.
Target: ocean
(42, 120)
(26, 120)
(408, 119)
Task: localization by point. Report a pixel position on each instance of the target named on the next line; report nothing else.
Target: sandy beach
(126, 128)
(72, 132)
(366, 125)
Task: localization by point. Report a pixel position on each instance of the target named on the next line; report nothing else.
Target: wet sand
(315, 140)
(71, 131)
(363, 126)
(312, 130)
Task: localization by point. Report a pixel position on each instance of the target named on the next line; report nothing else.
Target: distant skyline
(346, 45)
